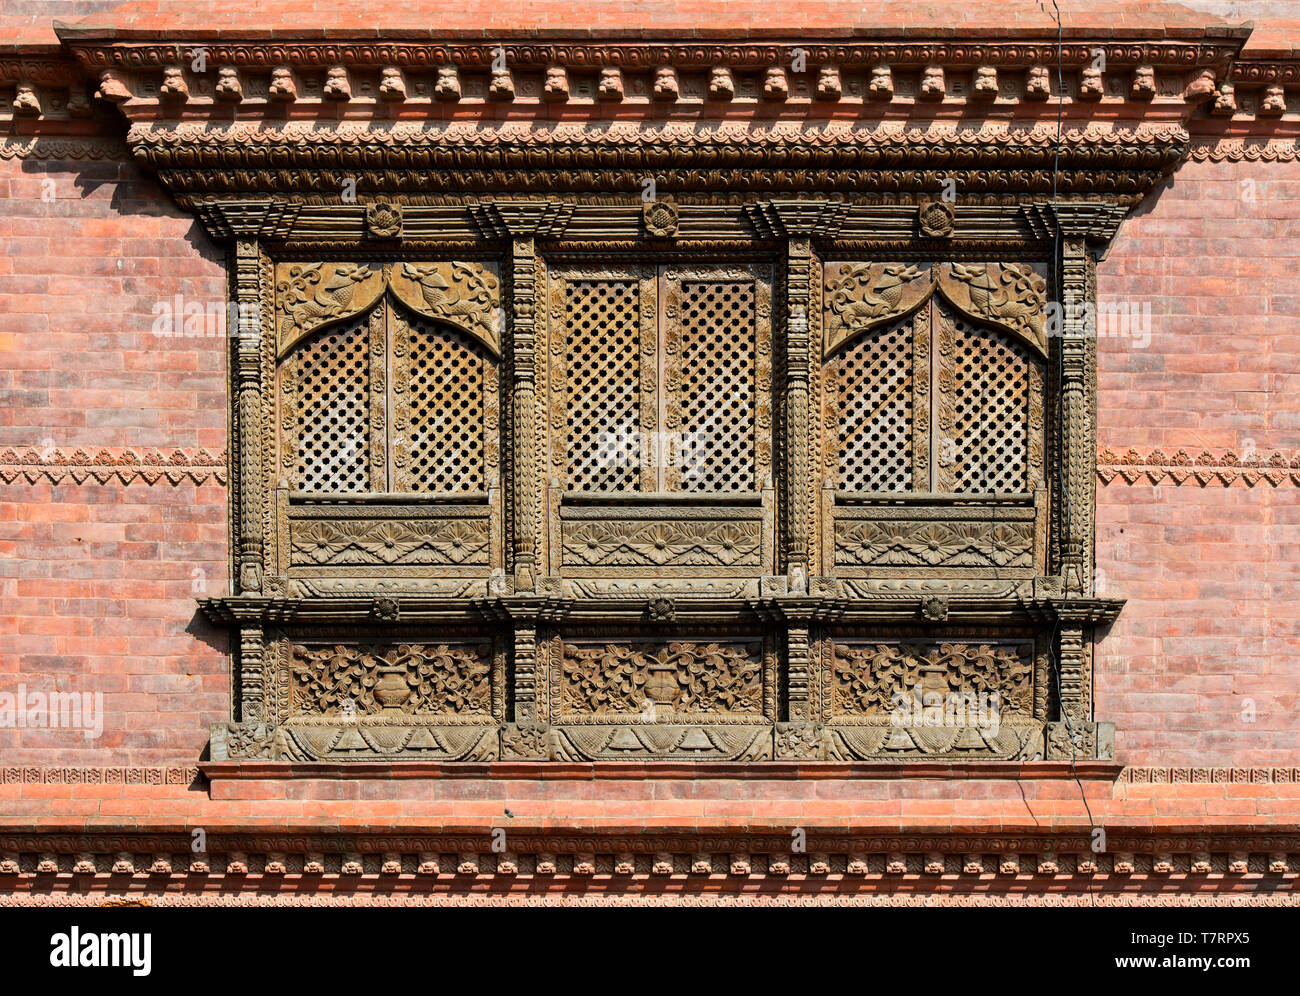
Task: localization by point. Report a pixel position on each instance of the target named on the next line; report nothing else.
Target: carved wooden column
(527, 735)
(522, 222)
(1078, 229)
(795, 423)
(797, 222)
(1076, 416)
(252, 661)
(248, 387)
(523, 400)
(799, 735)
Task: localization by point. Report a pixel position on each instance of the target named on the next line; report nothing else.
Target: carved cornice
(696, 54)
(1033, 860)
(523, 155)
(104, 466)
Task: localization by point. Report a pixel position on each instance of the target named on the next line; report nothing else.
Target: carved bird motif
(864, 299)
(332, 295)
(1015, 297)
(467, 297)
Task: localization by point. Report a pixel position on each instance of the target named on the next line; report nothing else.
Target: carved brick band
(36, 775)
(1238, 150)
(103, 466)
(1228, 861)
(1277, 468)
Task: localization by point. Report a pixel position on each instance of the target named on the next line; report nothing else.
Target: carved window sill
(1100, 771)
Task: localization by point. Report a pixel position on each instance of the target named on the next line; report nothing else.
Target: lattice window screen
(874, 380)
(991, 411)
(333, 416)
(445, 408)
(717, 386)
(603, 329)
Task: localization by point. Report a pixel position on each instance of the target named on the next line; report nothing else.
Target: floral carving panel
(874, 679)
(662, 543)
(406, 679)
(904, 543)
(653, 679)
(390, 541)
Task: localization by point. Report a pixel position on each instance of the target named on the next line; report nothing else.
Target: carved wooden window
(934, 429)
(959, 412)
(388, 399)
(665, 379)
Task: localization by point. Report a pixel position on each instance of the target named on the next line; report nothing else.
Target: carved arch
(866, 296)
(311, 297)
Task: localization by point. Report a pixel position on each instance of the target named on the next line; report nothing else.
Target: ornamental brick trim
(68, 149)
(1227, 861)
(1238, 150)
(127, 775)
(1275, 469)
(104, 466)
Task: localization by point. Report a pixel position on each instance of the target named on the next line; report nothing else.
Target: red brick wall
(97, 580)
(1211, 574)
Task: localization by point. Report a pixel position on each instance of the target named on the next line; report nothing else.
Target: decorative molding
(1146, 775)
(703, 52)
(459, 540)
(835, 155)
(935, 543)
(187, 775)
(104, 465)
(728, 543)
(1276, 468)
(1018, 865)
(64, 148)
(128, 775)
(1239, 150)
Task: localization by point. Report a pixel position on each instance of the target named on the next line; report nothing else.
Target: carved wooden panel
(987, 401)
(882, 679)
(602, 330)
(444, 400)
(671, 399)
(413, 679)
(390, 401)
(393, 535)
(331, 406)
(725, 541)
(917, 540)
(659, 680)
(711, 385)
(873, 389)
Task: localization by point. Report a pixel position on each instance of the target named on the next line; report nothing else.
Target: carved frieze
(662, 543)
(460, 540)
